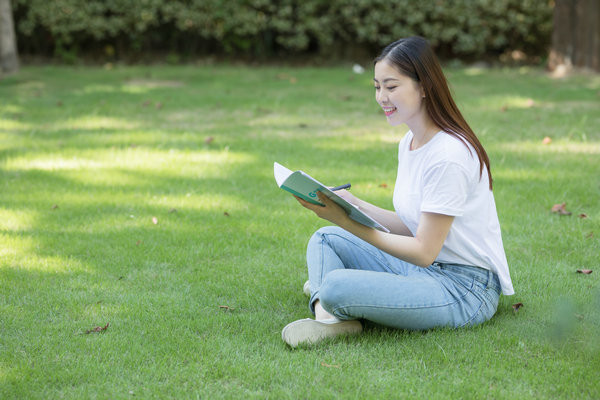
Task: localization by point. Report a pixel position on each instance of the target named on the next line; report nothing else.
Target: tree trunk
(576, 35)
(9, 60)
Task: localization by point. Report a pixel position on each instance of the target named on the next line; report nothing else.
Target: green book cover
(306, 187)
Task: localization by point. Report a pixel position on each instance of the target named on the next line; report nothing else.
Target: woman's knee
(334, 289)
(322, 234)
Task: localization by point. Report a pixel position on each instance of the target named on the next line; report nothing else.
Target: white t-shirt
(442, 177)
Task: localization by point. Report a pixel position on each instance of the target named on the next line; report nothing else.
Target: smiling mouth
(389, 110)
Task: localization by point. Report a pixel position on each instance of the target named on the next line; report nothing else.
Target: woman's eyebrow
(386, 80)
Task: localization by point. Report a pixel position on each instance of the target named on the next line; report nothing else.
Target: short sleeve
(446, 186)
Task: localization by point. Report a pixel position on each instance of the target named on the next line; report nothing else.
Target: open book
(306, 187)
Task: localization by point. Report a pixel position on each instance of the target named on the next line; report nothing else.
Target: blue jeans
(354, 280)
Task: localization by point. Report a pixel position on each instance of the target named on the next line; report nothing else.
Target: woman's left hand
(330, 211)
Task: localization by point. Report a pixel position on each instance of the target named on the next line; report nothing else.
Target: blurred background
(557, 34)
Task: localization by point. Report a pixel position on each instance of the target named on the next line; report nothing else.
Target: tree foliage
(458, 28)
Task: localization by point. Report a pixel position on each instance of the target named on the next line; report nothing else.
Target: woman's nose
(381, 96)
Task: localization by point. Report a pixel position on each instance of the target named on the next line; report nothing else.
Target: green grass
(89, 156)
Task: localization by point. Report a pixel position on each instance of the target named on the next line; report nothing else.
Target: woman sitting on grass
(443, 262)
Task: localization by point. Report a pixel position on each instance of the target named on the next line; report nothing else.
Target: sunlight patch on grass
(53, 264)
(16, 220)
(153, 83)
(10, 109)
(19, 252)
(14, 124)
(197, 164)
(474, 71)
(554, 147)
(98, 88)
(202, 202)
(498, 103)
(52, 164)
(14, 246)
(520, 174)
(94, 122)
(287, 120)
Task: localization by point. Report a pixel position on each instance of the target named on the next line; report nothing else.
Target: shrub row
(267, 28)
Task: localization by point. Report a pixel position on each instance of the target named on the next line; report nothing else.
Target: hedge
(267, 28)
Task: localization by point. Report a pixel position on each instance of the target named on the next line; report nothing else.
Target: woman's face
(400, 97)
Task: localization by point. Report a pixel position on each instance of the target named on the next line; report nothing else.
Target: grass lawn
(144, 198)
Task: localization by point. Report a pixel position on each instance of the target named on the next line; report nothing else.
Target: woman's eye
(377, 88)
(392, 87)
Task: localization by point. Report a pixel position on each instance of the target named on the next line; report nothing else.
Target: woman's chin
(394, 122)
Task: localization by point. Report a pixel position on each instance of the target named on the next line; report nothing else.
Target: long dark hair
(413, 57)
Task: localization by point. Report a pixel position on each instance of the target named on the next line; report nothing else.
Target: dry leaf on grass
(584, 271)
(560, 209)
(582, 215)
(226, 308)
(98, 329)
(383, 185)
(516, 306)
(209, 140)
(330, 365)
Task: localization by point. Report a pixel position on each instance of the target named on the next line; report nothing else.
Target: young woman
(443, 262)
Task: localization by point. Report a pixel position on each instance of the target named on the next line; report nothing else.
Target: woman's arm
(387, 218)
(421, 250)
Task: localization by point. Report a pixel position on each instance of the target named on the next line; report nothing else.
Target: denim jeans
(354, 280)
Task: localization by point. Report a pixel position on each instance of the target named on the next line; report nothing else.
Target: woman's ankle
(320, 313)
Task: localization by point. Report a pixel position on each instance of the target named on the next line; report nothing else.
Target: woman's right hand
(349, 197)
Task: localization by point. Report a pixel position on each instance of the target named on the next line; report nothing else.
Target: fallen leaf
(226, 214)
(582, 215)
(154, 220)
(59, 103)
(54, 207)
(146, 103)
(138, 242)
(516, 306)
(383, 185)
(98, 329)
(293, 80)
(560, 209)
(547, 140)
(209, 140)
(172, 210)
(227, 308)
(590, 235)
(584, 271)
(159, 105)
(302, 125)
(503, 108)
(330, 365)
